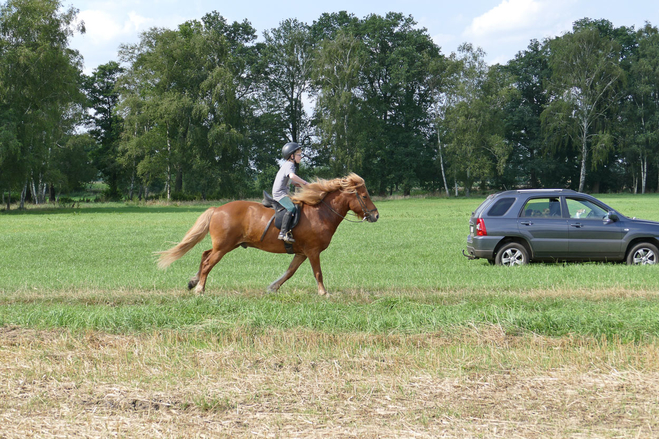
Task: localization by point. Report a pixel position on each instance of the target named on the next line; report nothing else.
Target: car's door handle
(577, 225)
(527, 223)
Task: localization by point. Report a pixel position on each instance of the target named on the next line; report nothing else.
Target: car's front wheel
(643, 254)
(512, 254)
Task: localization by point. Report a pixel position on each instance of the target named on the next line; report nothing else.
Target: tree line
(202, 111)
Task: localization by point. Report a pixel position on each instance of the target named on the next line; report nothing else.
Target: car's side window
(501, 207)
(542, 208)
(584, 209)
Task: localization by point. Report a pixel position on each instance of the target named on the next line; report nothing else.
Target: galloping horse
(324, 204)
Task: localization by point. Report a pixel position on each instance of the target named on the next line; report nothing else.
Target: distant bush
(112, 195)
(182, 196)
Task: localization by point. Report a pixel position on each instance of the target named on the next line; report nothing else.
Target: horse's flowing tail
(192, 238)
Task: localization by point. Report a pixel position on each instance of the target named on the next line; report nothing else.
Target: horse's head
(361, 204)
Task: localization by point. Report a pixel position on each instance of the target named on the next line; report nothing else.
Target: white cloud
(508, 27)
(102, 26)
(510, 15)
(137, 23)
(514, 17)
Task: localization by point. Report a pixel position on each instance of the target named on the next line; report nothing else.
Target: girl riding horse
(324, 204)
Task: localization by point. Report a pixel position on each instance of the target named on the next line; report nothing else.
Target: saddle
(268, 201)
(280, 210)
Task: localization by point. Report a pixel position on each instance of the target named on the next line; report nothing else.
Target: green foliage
(39, 89)
(473, 118)
(73, 163)
(587, 79)
(339, 62)
(287, 61)
(105, 123)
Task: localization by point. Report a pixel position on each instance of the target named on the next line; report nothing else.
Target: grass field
(414, 341)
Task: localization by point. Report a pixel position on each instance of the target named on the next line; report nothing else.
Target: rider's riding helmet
(289, 149)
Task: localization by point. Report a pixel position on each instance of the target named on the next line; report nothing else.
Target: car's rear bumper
(482, 246)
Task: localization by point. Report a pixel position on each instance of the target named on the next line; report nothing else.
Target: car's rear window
(501, 207)
(483, 206)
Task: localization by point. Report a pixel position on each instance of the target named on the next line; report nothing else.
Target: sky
(502, 28)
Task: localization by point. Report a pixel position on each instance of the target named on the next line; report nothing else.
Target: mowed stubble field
(414, 340)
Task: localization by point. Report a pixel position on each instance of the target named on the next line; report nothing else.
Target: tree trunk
(168, 183)
(178, 183)
(584, 156)
(8, 199)
(35, 194)
(132, 183)
(441, 164)
(468, 185)
(644, 172)
(23, 194)
(43, 187)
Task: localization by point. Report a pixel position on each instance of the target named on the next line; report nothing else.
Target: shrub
(182, 196)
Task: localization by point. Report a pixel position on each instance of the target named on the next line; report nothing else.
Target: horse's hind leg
(207, 265)
(295, 264)
(195, 280)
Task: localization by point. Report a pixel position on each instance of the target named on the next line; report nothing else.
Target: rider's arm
(297, 179)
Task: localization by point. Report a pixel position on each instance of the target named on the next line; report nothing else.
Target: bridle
(362, 204)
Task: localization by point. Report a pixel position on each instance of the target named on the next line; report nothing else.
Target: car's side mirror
(612, 216)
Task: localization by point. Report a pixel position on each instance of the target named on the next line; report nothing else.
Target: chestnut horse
(323, 205)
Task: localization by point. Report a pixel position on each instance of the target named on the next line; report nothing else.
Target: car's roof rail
(543, 190)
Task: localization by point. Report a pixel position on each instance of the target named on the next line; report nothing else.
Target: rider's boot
(285, 233)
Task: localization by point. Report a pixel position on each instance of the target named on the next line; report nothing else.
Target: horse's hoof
(199, 289)
(193, 283)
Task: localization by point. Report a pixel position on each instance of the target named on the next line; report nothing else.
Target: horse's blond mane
(313, 193)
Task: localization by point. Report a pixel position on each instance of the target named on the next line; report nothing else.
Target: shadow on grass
(57, 210)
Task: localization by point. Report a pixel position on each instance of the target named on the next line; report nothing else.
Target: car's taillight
(480, 228)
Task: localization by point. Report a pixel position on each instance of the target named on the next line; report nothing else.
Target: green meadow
(94, 268)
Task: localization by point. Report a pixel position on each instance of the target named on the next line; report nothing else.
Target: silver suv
(516, 227)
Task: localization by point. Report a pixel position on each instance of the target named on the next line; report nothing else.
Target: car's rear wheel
(643, 254)
(512, 254)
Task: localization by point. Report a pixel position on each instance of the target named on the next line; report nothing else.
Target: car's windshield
(579, 208)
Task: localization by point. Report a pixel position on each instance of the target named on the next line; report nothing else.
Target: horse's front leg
(314, 260)
(295, 264)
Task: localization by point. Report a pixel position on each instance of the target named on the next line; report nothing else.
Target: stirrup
(286, 237)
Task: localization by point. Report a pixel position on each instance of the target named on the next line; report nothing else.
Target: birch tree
(586, 82)
(40, 98)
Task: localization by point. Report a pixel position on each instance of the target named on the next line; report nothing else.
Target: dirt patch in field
(479, 384)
